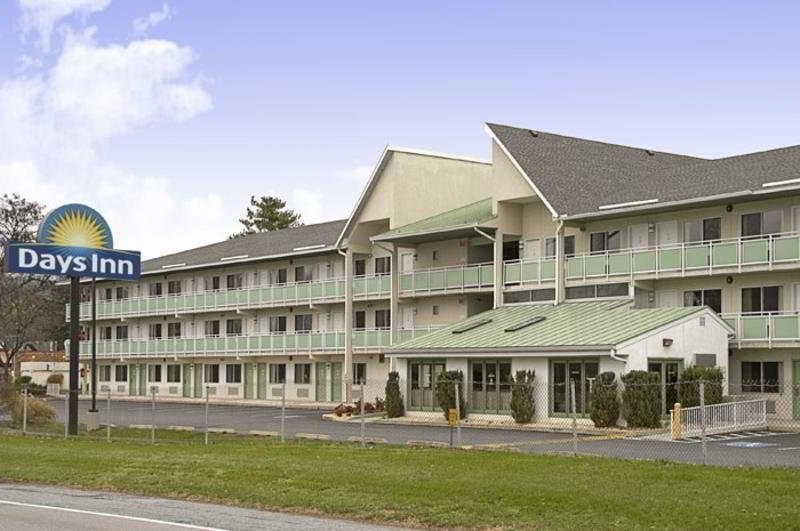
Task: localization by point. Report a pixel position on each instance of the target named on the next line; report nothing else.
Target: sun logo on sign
(75, 226)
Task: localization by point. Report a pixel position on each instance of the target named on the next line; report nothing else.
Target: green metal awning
(595, 325)
(456, 223)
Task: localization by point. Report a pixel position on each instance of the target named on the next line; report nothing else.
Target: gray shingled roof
(262, 244)
(577, 176)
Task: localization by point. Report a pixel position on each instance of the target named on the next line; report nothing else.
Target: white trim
(309, 247)
(780, 183)
(439, 154)
(489, 131)
(173, 265)
(237, 257)
(628, 204)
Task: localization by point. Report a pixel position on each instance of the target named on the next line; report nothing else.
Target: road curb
(368, 440)
(264, 433)
(427, 444)
(313, 436)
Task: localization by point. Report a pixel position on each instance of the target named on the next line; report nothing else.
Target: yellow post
(677, 429)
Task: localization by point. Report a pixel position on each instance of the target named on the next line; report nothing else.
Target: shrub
(690, 385)
(522, 404)
(446, 384)
(605, 401)
(369, 407)
(641, 399)
(21, 381)
(394, 399)
(380, 405)
(56, 378)
(39, 411)
(343, 409)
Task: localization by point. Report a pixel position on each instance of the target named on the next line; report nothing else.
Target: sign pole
(94, 347)
(74, 345)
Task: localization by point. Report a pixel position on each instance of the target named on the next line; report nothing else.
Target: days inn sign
(74, 241)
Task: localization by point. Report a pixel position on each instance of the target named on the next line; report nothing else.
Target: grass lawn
(415, 486)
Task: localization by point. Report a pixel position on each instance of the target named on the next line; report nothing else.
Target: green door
(133, 375)
(336, 382)
(143, 380)
(248, 381)
(187, 381)
(198, 381)
(490, 386)
(262, 381)
(422, 383)
(321, 381)
(796, 387)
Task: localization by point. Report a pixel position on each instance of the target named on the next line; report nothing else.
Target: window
(383, 319)
(435, 255)
(605, 241)
(360, 320)
(279, 276)
(277, 324)
(234, 281)
(173, 373)
(761, 376)
(122, 293)
(154, 373)
(105, 333)
(359, 267)
(173, 330)
(550, 246)
(591, 291)
(761, 300)
(360, 373)
(302, 373)
(233, 373)
(154, 331)
(155, 289)
(277, 373)
(704, 297)
(121, 373)
(104, 373)
(435, 309)
(303, 322)
(211, 283)
(211, 328)
(174, 287)
(383, 265)
(702, 230)
(303, 274)
(233, 327)
(107, 294)
(761, 223)
(211, 373)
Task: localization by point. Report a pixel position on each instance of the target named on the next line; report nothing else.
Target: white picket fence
(723, 418)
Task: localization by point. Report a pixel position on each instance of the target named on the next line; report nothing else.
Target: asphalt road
(30, 507)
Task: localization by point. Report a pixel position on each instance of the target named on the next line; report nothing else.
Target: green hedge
(641, 399)
(605, 401)
(690, 385)
(394, 399)
(446, 393)
(523, 407)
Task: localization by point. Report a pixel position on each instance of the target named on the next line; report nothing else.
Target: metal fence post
(25, 411)
(283, 410)
(153, 415)
(206, 431)
(703, 420)
(363, 425)
(108, 418)
(66, 415)
(574, 419)
(458, 414)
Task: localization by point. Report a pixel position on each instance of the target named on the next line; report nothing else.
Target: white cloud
(358, 174)
(92, 93)
(309, 204)
(43, 15)
(141, 25)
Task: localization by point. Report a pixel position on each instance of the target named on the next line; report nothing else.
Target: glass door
(583, 373)
(669, 372)
(490, 386)
(422, 384)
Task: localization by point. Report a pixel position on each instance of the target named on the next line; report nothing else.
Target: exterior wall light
(667, 341)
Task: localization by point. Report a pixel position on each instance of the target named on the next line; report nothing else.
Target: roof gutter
(478, 350)
(479, 231)
(441, 230)
(616, 357)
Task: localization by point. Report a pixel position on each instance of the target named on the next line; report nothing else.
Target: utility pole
(74, 346)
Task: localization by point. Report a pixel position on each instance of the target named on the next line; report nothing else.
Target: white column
(394, 299)
(560, 268)
(348, 323)
(498, 268)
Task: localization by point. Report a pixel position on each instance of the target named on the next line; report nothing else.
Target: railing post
(108, 417)
(283, 410)
(703, 420)
(208, 387)
(363, 424)
(25, 410)
(66, 414)
(574, 419)
(153, 415)
(676, 425)
(458, 414)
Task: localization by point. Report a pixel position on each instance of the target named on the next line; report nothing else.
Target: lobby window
(211, 328)
(174, 287)
(120, 373)
(359, 267)
(234, 281)
(605, 241)
(359, 373)
(233, 373)
(550, 246)
(173, 373)
(174, 330)
(383, 265)
(383, 319)
(155, 289)
(303, 322)
(761, 300)
(761, 376)
(233, 327)
(704, 297)
(154, 331)
(211, 373)
(277, 373)
(302, 373)
(277, 324)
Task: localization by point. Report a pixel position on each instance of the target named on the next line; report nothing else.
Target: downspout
(615, 357)
(560, 295)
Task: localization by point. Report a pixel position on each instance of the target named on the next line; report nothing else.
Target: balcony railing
(366, 286)
(674, 259)
(447, 279)
(407, 334)
(257, 296)
(772, 327)
(289, 342)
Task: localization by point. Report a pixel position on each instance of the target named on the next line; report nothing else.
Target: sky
(167, 116)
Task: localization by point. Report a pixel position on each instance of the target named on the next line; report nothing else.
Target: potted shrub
(605, 401)
(394, 399)
(446, 384)
(641, 399)
(523, 407)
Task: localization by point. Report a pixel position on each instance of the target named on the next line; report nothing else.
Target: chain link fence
(648, 417)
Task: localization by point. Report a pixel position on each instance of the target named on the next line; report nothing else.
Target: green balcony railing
(444, 279)
(529, 271)
(366, 286)
(769, 328)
